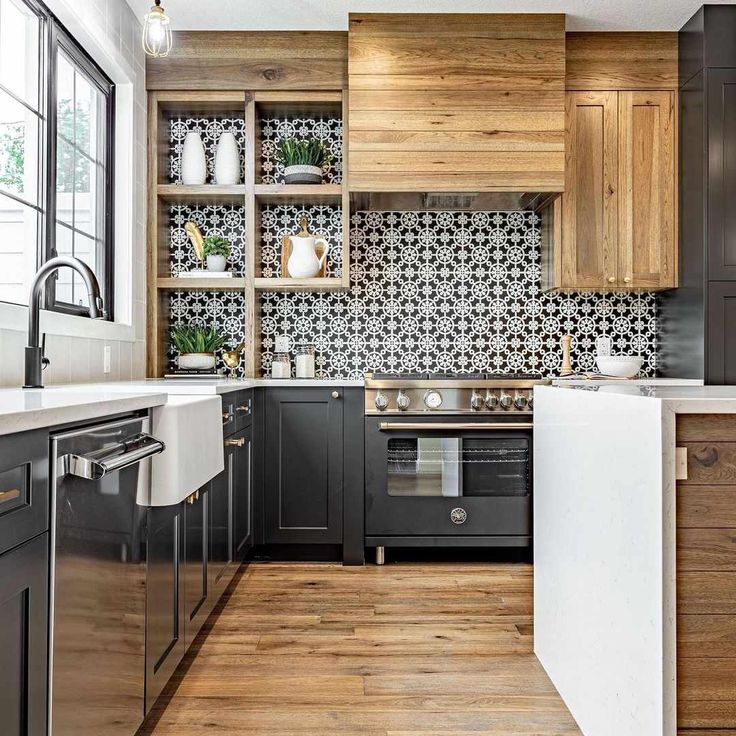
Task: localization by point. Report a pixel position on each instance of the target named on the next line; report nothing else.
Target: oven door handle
(477, 426)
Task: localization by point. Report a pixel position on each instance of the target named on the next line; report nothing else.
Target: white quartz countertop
(206, 386)
(683, 399)
(24, 409)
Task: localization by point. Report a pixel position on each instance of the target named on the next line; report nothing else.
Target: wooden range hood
(457, 103)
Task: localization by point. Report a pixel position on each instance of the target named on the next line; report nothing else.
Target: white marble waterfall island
(606, 565)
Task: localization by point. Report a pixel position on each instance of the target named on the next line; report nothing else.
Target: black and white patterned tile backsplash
(275, 130)
(452, 291)
(225, 221)
(222, 309)
(210, 130)
(280, 220)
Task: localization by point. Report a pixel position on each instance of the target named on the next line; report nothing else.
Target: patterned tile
(453, 291)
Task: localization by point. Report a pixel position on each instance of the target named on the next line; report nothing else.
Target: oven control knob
(521, 402)
(381, 402)
(402, 401)
(531, 402)
(433, 399)
(506, 401)
(476, 401)
(491, 401)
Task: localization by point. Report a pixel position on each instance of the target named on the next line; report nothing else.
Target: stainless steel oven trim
(145, 422)
(491, 383)
(452, 426)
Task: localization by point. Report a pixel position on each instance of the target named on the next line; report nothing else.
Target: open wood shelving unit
(251, 194)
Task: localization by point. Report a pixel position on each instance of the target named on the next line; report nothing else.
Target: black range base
(448, 461)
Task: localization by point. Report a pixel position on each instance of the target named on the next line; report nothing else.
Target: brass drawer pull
(235, 443)
(227, 416)
(9, 495)
(244, 407)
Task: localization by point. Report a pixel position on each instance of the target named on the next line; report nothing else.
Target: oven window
(452, 467)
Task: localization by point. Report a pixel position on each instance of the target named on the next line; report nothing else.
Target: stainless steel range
(448, 460)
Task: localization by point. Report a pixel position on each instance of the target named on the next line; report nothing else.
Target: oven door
(446, 476)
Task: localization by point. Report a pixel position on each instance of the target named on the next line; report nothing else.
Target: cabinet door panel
(721, 356)
(647, 186)
(220, 525)
(722, 173)
(243, 495)
(23, 638)
(304, 470)
(164, 598)
(590, 200)
(195, 566)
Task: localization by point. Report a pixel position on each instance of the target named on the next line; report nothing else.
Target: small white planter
(195, 361)
(193, 160)
(216, 263)
(303, 175)
(227, 161)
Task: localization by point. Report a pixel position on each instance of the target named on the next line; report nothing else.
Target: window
(56, 130)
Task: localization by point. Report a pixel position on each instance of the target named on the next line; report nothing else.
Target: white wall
(110, 32)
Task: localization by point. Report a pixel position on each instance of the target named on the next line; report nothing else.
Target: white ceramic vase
(193, 160)
(227, 160)
(216, 263)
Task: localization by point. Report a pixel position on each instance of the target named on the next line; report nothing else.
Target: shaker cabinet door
(589, 203)
(647, 252)
(721, 91)
(243, 494)
(197, 604)
(303, 458)
(23, 638)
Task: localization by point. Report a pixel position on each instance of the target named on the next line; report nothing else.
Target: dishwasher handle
(122, 455)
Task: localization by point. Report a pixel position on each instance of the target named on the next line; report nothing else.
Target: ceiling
(332, 15)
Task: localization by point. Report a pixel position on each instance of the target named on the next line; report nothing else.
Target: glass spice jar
(305, 361)
(281, 366)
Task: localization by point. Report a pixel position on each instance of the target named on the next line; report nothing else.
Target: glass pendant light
(157, 32)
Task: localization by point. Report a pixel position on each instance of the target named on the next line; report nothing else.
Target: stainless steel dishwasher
(101, 487)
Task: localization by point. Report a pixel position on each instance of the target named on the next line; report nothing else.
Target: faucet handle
(45, 362)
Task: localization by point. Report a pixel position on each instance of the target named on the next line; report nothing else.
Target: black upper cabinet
(722, 174)
(303, 465)
(23, 638)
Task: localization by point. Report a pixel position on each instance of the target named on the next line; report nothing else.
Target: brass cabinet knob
(611, 279)
(239, 442)
(227, 416)
(627, 279)
(335, 395)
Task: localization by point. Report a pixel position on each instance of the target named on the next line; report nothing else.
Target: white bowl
(619, 366)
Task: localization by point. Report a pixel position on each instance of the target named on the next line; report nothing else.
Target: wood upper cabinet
(619, 206)
(647, 195)
(589, 212)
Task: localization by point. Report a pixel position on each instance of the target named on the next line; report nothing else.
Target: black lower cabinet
(23, 638)
(219, 517)
(197, 604)
(303, 466)
(165, 619)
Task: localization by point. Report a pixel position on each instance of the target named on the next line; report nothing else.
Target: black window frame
(53, 37)
(59, 39)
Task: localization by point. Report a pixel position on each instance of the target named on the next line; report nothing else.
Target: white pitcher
(303, 262)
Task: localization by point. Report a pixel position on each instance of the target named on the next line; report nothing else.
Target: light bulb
(157, 32)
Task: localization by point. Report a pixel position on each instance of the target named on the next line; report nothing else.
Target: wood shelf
(201, 284)
(284, 284)
(315, 193)
(210, 193)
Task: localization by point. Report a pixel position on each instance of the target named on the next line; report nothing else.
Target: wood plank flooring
(400, 650)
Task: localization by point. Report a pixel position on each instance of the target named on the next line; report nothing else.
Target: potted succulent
(303, 160)
(196, 346)
(216, 251)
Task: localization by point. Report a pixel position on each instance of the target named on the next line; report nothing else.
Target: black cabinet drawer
(243, 409)
(228, 413)
(24, 487)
